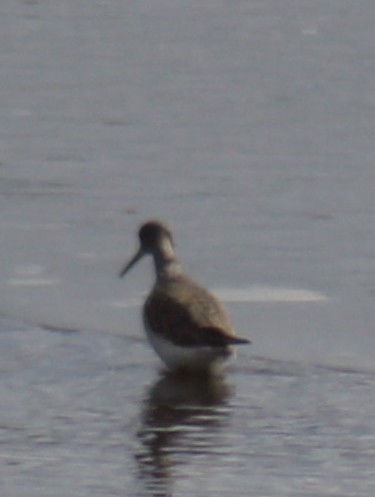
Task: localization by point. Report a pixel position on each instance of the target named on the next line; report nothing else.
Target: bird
(186, 325)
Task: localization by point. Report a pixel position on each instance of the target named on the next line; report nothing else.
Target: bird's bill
(131, 263)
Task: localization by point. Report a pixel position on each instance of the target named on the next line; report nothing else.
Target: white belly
(196, 358)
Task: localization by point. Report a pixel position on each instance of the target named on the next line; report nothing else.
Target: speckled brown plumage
(178, 311)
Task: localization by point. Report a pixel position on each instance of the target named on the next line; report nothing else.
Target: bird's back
(181, 309)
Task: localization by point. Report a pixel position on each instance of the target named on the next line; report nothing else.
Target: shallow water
(247, 126)
(84, 413)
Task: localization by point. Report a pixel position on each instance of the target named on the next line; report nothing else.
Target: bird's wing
(188, 317)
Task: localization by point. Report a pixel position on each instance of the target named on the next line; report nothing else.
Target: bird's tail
(240, 341)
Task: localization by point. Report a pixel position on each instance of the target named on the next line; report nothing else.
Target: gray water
(249, 127)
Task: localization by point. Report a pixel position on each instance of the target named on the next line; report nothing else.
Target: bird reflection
(181, 416)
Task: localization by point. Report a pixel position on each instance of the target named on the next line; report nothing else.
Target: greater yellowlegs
(185, 324)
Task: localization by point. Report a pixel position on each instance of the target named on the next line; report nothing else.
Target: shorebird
(185, 324)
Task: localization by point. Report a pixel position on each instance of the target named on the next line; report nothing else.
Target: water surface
(247, 126)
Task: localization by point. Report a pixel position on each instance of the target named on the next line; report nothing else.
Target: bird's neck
(165, 260)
